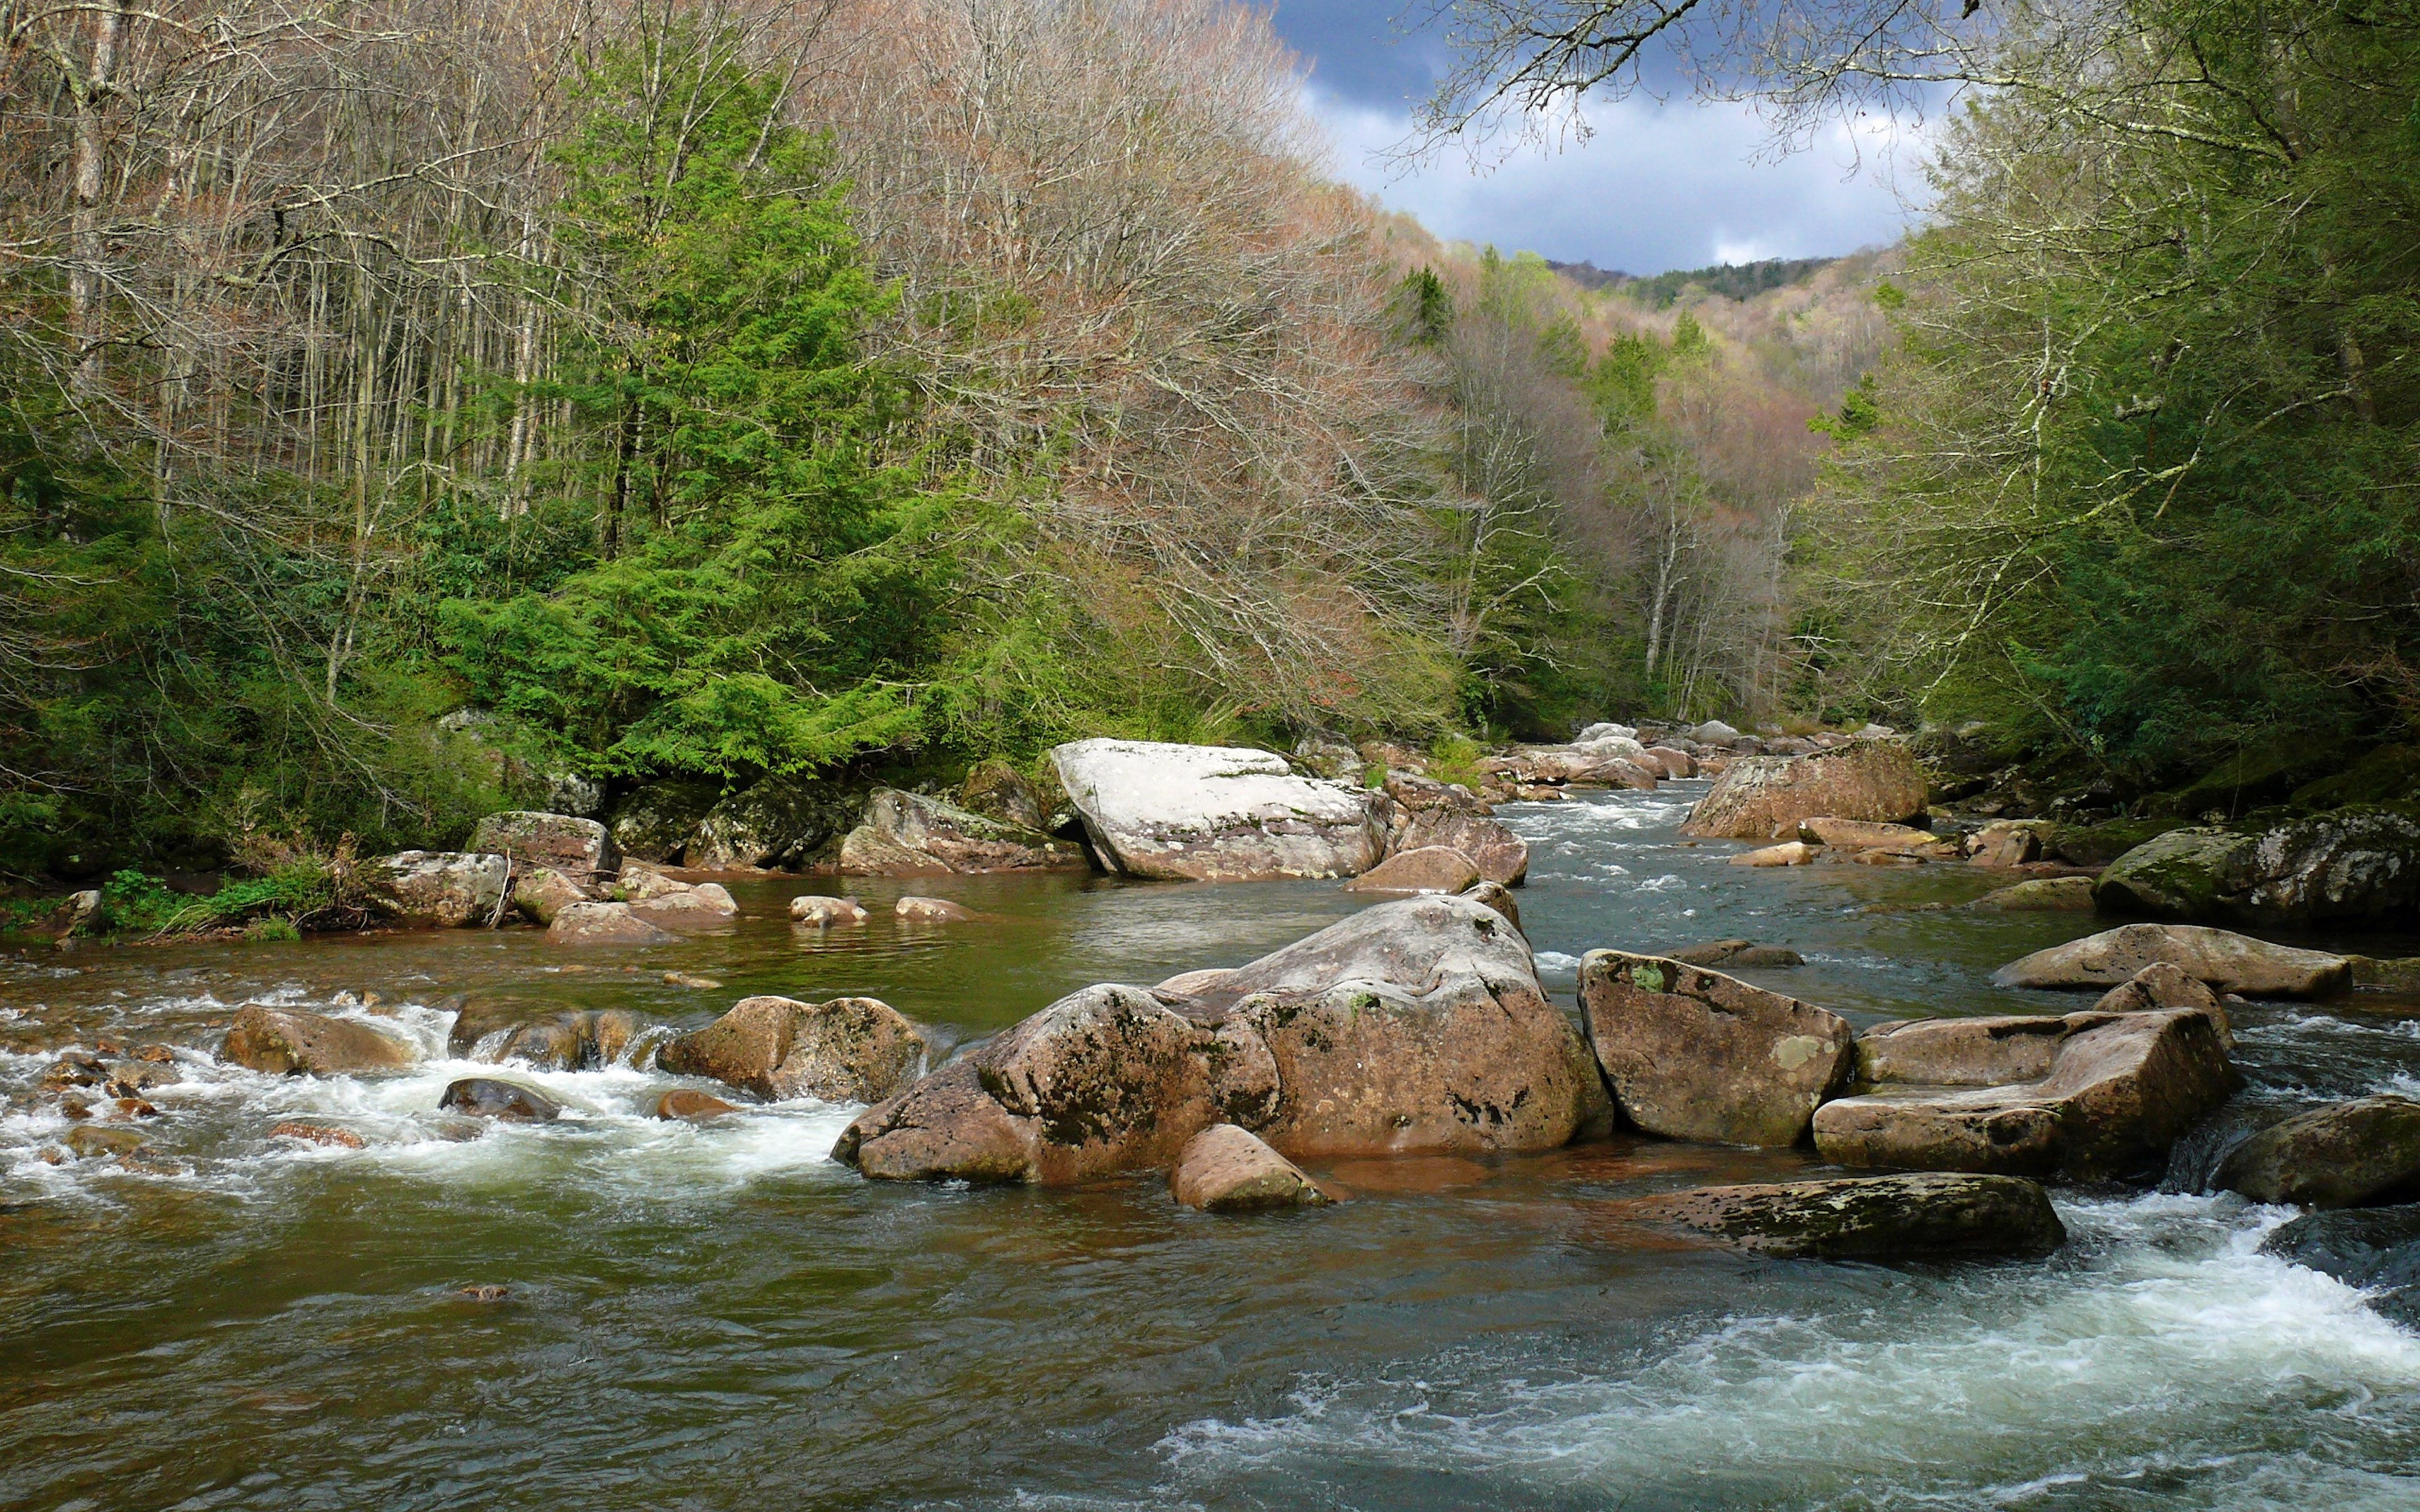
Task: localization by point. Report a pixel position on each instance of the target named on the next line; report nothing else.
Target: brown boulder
(594, 924)
(318, 1133)
(687, 1104)
(1498, 896)
(702, 905)
(1692, 1054)
(1765, 798)
(917, 910)
(1226, 1169)
(1872, 1217)
(827, 913)
(450, 888)
(2116, 1092)
(2003, 843)
(1498, 854)
(488, 1097)
(2228, 961)
(287, 1041)
(945, 1127)
(1429, 869)
(847, 1050)
(2345, 1155)
(1674, 762)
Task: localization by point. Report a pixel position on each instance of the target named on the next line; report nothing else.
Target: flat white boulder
(1215, 813)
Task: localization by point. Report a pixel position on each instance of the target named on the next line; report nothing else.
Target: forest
(414, 409)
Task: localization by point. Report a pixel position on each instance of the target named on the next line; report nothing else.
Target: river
(718, 1316)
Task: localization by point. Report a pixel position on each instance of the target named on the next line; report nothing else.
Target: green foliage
(1454, 758)
(1430, 306)
(136, 903)
(2143, 474)
(1689, 343)
(762, 583)
(1621, 385)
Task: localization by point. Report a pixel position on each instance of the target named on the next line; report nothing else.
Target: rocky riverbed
(610, 1308)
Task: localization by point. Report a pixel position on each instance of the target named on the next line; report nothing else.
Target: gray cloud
(1659, 186)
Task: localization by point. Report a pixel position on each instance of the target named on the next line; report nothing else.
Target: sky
(1657, 187)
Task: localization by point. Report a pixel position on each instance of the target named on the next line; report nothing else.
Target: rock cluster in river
(1769, 797)
(1413, 1025)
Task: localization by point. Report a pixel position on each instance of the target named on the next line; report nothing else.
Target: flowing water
(719, 1316)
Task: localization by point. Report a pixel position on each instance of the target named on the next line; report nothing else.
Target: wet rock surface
(489, 1097)
(828, 912)
(1692, 1054)
(292, 1042)
(1214, 813)
(847, 1050)
(2377, 1249)
(2228, 962)
(1228, 1169)
(1878, 1217)
(2344, 1155)
(2350, 865)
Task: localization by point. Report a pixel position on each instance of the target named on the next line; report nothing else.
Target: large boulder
(580, 849)
(2228, 961)
(2040, 895)
(450, 888)
(2087, 1095)
(1428, 869)
(1226, 1169)
(658, 822)
(2360, 863)
(1214, 813)
(2344, 1155)
(540, 892)
(907, 834)
(1495, 853)
(1867, 835)
(1767, 797)
(847, 1050)
(684, 905)
(1692, 1054)
(286, 1042)
(595, 923)
(1871, 1217)
(825, 912)
(1413, 1025)
(783, 822)
(551, 1039)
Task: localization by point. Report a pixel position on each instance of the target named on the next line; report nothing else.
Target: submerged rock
(1228, 1169)
(847, 1050)
(1788, 853)
(595, 923)
(1413, 1025)
(1214, 813)
(2041, 895)
(2376, 1249)
(449, 888)
(2228, 961)
(1766, 797)
(580, 849)
(287, 1041)
(1692, 1054)
(826, 912)
(917, 910)
(1865, 835)
(679, 905)
(1872, 1217)
(488, 1097)
(2087, 1095)
(2345, 1155)
(1429, 869)
(1745, 954)
(318, 1133)
(907, 834)
(87, 1141)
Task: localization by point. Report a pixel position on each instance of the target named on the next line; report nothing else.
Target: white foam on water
(1556, 961)
(214, 1130)
(2162, 1353)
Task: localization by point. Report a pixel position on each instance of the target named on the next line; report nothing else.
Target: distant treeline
(1732, 280)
